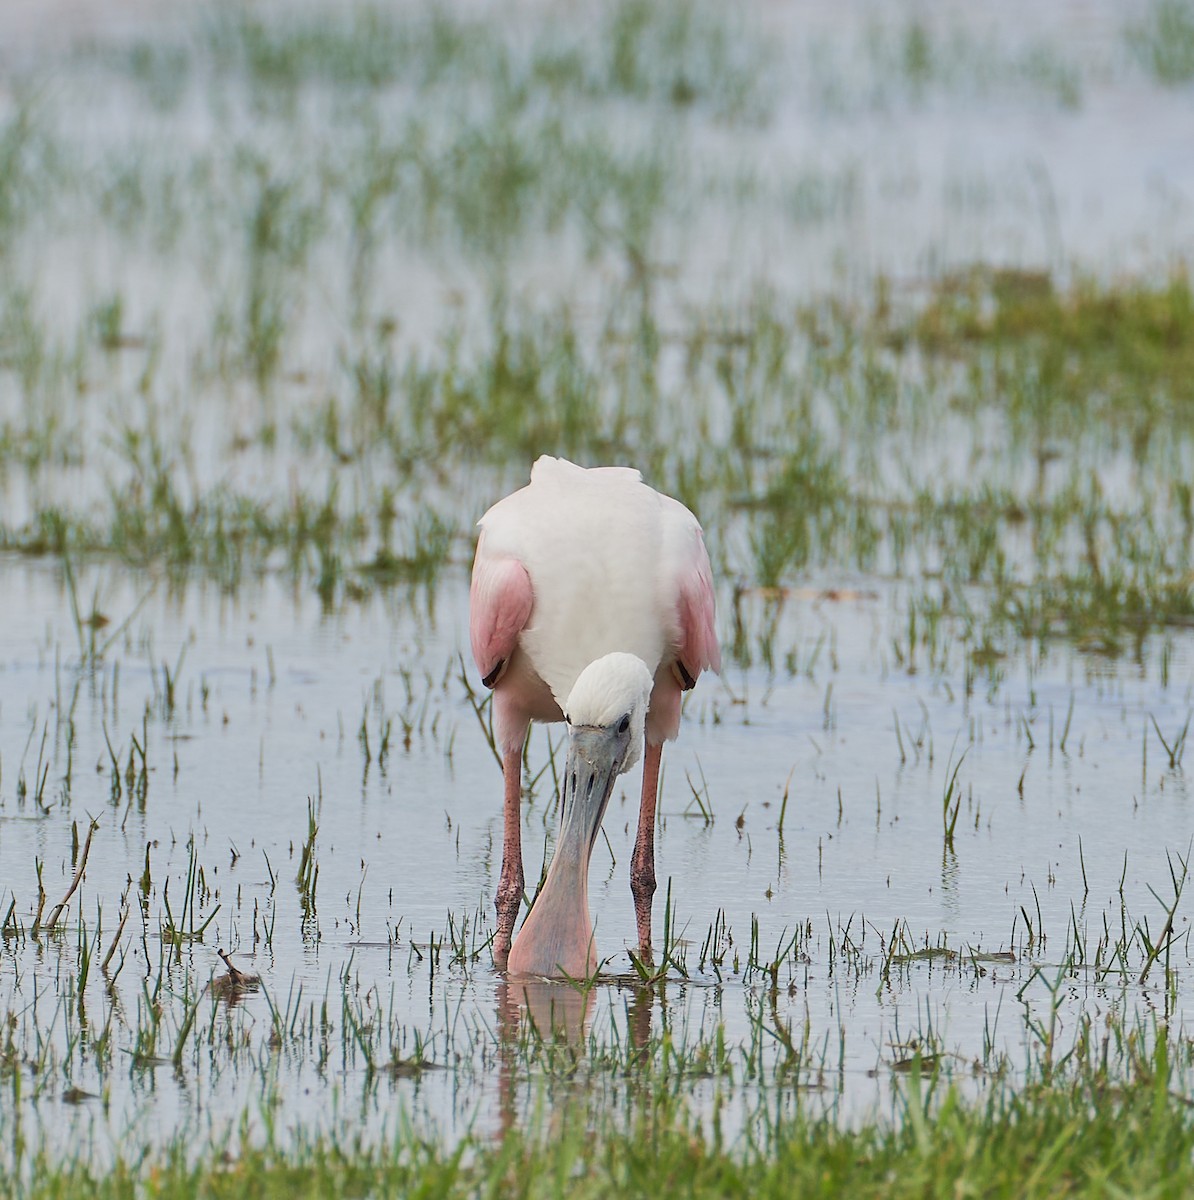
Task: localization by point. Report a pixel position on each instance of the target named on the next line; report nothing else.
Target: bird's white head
(612, 693)
(607, 713)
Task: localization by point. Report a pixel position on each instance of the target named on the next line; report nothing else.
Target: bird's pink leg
(642, 862)
(510, 885)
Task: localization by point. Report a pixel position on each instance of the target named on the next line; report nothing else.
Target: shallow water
(268, 705)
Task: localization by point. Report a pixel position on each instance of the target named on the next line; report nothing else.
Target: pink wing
(696, 646)
(500, 602)
(698, 650)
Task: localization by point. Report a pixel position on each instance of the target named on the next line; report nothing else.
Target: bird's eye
(624, 724)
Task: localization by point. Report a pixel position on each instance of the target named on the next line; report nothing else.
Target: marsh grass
(1123, 347)
(537, 383)
(794, 488)
(1084, 1129)
(1162, 41)
(29, 169)
(680, 53)
(1098, 950)
(920, 58)
(917, 59)
(812, 435)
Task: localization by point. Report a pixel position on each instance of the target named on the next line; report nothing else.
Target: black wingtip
(490, 679)
(689, 682)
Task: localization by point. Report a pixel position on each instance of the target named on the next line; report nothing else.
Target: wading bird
(591, 603)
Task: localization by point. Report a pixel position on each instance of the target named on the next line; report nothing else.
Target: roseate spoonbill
(591, 602)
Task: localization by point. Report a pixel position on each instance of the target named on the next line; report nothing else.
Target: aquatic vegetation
(1163, 41)
(922, 58)
(915, 58)
(1102, 1131)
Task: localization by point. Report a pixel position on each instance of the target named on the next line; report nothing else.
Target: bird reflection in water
(537, 1017)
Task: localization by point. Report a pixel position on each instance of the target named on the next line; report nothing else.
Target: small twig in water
(56, 911)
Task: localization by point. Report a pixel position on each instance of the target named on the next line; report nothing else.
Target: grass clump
(911, 59)
(354, 46)
(1125, 350)
(806, 512)
(681, 53)
(26, 168)
(1163, 41)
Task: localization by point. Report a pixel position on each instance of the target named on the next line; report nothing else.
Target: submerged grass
(919, 58)
(821, 415)
(680, 53)
(1162, 41)
(916, 59)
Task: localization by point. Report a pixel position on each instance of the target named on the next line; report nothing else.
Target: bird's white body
(613, 565)
(589, 599)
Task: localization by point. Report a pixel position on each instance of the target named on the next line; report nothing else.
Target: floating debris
(235, 983)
